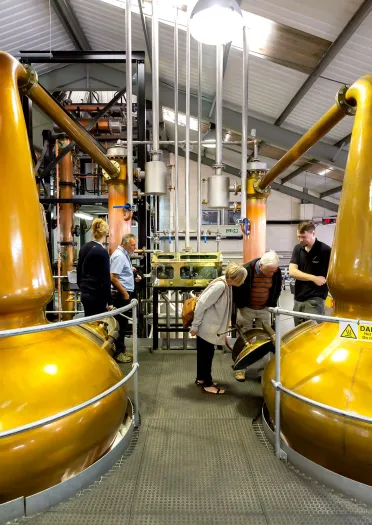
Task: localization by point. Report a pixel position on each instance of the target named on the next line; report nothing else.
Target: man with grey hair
(260, 291)
(122, 280)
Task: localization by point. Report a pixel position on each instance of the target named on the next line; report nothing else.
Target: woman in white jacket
(211, 317)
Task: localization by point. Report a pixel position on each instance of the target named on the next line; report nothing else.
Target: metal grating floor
(198, 460)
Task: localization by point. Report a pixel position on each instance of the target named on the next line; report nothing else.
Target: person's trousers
(311, 306)
(246, 316)
(204, 358)
(93, 305)
(119, 302)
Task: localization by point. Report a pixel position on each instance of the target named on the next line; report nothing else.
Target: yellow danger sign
(348, 332)
(365, 332)
(353, 330)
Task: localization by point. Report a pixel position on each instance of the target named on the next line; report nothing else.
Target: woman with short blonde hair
(211, 318)
(93, 272)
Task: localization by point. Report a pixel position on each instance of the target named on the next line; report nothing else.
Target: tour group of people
(106, 282)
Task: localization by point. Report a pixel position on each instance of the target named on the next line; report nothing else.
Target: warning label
(349, 333)
(355, 331)
(365, 332)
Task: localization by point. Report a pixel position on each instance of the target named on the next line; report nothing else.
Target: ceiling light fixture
(209, 140)
(81, 215)
(215, 22)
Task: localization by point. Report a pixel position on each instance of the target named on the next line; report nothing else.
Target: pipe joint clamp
(31, 80)
(106, 176)
(342, 103)
(264, 191)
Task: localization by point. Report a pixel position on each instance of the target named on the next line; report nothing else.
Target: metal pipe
(219, 89)
(119, 220)
(155, 81)
(67, 221)
(321, 128)
(350, 415)
(129, 81)
(244, 122)
(187, 166)
(168, 317)
(176, 178)
(198, 183)
(66, 324)
(45, 102)
(135, 362)
(277, 379)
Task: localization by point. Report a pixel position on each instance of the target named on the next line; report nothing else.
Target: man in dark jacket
(259, 292)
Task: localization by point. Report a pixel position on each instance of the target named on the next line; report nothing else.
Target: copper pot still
(316, 362)
(42, 373)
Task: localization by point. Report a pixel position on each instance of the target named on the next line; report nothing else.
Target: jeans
(311, 306)
(204, 357)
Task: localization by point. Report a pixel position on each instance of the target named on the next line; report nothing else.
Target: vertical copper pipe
(118, 196)
(349, 274)
(67, 220)
(254, 245)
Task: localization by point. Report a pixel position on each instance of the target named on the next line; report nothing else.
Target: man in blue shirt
(122, 279)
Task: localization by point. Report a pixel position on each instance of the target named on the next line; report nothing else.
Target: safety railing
(280, 388)
(133, 305)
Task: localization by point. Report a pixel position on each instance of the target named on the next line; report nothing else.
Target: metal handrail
(280, 388)
(65, 324)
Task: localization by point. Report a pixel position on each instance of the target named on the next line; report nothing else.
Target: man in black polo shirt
(309, 266)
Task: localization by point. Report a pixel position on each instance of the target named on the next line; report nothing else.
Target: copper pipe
(84, 107)
(118, 196)
(38, 95)
(67, 221)
(321, 128)
(349, 275)
(254, 244)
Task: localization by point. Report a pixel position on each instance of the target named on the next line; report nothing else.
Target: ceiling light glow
(215, 22)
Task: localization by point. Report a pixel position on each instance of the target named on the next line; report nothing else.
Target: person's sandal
(219, 390)
(199, 383)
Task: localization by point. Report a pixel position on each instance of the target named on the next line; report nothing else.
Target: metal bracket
(283, 456)
(31, 81)
(342, 103)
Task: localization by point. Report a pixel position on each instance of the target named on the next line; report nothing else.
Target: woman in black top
(93, 272)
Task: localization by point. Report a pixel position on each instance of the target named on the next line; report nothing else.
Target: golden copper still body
(319, 364)
(42, 373)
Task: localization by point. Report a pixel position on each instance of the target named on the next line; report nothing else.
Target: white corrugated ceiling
(30, 24)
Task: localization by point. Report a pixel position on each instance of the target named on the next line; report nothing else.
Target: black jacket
(242, 294)
(93, 272)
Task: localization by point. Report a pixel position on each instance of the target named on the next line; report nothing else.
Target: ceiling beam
(328, 193)
(232, 119)
(327, 58)
(275, 186)
(70, 22)
(298, 171)
(343, 142)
